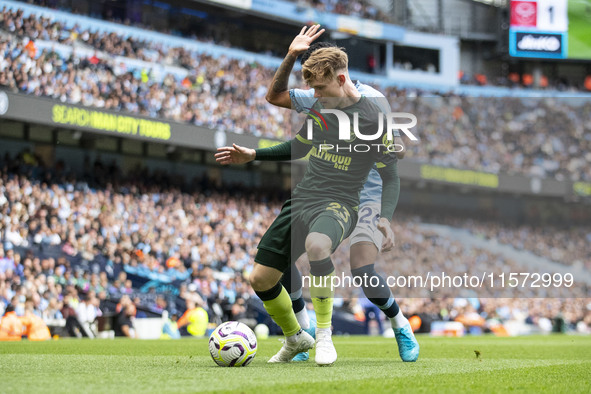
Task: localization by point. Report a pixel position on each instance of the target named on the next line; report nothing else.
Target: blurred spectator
(11, 327)
(358, 8)
(73, 326)
(124, 322)
(371, 312)
(170, 328)
(87, 312)
(35, 327)
(195, 318)
(53, 311)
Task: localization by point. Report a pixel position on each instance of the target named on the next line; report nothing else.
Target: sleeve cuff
(294, 102)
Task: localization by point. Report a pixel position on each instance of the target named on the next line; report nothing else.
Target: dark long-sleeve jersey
(337, 169)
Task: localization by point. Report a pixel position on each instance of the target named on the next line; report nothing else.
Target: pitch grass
(579, 30)
(365, 365)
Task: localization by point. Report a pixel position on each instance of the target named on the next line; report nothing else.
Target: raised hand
(234, 154)
(303, 40)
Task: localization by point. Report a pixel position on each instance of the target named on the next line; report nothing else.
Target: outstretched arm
(290, 150)
(235, 154)
(278, 93)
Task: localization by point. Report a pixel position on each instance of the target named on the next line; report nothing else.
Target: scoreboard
(541, 29)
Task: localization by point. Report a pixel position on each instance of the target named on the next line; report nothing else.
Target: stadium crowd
(567, 245)
(222, 32)
(72, 245)
(128, 231)
(539, 137)
(42, 28)
(421, 250)
(358, 8)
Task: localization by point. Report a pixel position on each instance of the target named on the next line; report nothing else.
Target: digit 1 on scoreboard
(552, 15)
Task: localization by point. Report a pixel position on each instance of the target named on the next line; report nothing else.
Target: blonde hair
(324, 63)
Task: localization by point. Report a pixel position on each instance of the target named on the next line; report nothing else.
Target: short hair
(324, 63)
(315, 46)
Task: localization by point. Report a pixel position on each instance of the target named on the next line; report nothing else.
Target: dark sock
(321, 267)
(298, 304)
(379, 295)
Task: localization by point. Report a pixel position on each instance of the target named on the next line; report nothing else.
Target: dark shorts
(284, 241)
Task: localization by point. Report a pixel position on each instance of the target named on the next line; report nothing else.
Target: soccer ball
(232, 344)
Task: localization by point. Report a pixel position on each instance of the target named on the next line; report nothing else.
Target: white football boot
(326, 354)
(303, 343)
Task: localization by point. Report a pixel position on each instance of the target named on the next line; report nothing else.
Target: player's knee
(261, 280)
(318, 246)
(363, 254)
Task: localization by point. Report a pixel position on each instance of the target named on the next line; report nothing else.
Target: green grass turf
(579, 29)
(365, 364)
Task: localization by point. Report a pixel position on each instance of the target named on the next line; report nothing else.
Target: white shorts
(367, 229)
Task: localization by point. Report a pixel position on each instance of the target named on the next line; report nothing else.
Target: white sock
(399, 320)
(293, 338)
(303, 319)
(328, 331)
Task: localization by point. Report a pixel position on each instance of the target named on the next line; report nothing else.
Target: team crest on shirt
(318, 118)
